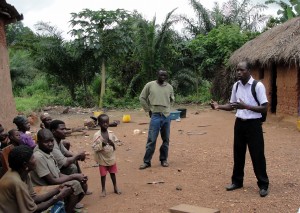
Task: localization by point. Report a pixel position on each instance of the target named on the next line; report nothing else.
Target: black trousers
(249, 132)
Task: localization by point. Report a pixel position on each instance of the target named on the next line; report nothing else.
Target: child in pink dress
(104, 153)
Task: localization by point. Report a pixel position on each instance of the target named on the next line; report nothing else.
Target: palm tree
(233, 12)
(288, 9)
(203, 23)
(152, 48)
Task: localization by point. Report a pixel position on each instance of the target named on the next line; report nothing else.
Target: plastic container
(97, 113)
(175, 115)
(126, 118)
(182, 113)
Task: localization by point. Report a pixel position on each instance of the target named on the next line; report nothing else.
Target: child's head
(14, 137)
(22, 123)
(46, 120)
(103, 121)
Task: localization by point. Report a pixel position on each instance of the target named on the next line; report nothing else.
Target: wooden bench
(184, 208)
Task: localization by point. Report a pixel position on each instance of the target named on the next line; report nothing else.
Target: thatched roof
(281, 44)
(9, 13)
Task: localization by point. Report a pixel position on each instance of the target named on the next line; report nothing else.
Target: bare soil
(200, 165)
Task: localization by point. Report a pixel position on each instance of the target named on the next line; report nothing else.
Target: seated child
(104, 152)
(14, 137)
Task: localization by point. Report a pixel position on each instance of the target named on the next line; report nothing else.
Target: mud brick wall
(287, 82)
(7, 103)
(266, 81)
(287, 90)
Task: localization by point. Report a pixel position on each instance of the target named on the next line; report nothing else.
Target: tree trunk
(102, 88)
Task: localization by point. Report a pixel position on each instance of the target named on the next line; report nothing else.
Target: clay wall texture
(7, 103)
(287, 82)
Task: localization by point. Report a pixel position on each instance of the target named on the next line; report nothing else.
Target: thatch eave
(9, 13)
(280, 45)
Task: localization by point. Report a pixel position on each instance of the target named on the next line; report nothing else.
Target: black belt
(250, 119)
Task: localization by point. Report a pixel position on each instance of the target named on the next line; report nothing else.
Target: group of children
(103, 145)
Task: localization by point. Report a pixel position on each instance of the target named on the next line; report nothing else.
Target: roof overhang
(8, 13)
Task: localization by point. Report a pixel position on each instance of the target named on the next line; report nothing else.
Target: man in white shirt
(248, 128)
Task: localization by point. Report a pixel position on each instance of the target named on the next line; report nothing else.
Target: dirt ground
(200, 165)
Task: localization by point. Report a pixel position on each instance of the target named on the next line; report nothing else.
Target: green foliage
(215, 48)
(247, 16)
(128, 50)
(104, 33)
(69, 62)
(154, 48)
(22, 69)
(33, 97)
(110, 101)
(18, 36)
(201, 97)
(288, 10)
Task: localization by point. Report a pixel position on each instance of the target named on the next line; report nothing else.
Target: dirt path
(201, 165)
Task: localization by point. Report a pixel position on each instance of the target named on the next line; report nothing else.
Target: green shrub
(40, 94)
(203, 95)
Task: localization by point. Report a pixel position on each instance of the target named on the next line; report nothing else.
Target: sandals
(165, 164)
(88, 193)
(79, 206)
(144, 166)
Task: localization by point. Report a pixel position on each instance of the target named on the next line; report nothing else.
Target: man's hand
(81, 156)
(150, 113)
(64, 192)
(239, 105)
(80, 177)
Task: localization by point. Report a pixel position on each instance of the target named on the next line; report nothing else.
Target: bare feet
(117, 191)
(103, 194)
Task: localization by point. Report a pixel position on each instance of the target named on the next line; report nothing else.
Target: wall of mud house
(287, 83)
(7, 103)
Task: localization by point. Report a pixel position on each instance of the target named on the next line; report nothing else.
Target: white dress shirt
(244, 93)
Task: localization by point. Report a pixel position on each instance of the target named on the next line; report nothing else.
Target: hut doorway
(273, 88)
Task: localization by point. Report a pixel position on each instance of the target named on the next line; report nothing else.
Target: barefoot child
(104, 152)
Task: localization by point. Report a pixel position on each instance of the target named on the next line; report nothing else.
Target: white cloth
(244, 93)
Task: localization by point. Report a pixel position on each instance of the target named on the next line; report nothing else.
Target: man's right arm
(51, 180)
(226, 107)
(144, 98)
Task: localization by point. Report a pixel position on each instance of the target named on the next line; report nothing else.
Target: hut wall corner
(7, 103)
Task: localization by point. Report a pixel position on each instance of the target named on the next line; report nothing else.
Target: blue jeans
(158, 123)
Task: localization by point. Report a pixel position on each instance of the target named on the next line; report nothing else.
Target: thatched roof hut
(280, 44)
(275, 56)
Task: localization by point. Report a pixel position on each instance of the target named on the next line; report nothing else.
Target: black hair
(248, 64)
(11, 132)
(18, 156)
(55, 123)
(100, 117)
(161, 69)
(41, 134)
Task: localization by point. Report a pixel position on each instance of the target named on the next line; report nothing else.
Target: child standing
(104, 153)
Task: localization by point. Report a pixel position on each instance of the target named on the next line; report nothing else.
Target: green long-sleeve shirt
(157, 98)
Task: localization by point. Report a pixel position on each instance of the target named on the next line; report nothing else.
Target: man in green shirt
(156, 99)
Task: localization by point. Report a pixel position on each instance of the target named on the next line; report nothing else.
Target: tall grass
(39, 94)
